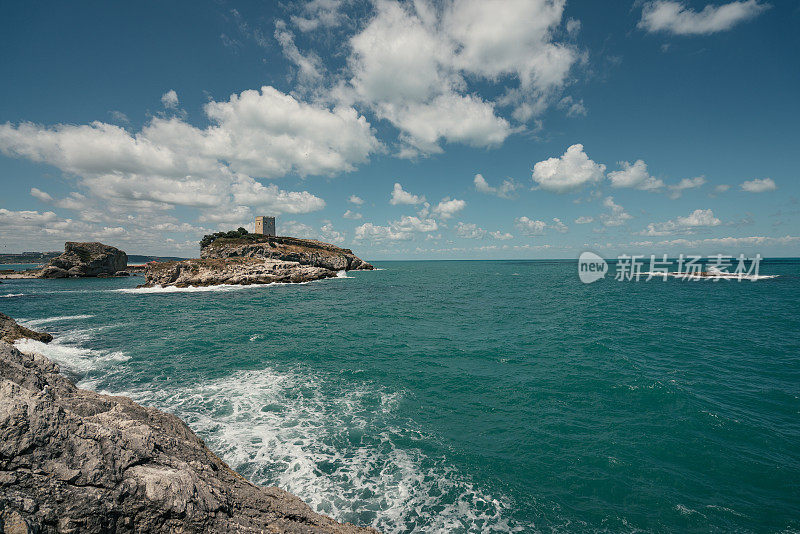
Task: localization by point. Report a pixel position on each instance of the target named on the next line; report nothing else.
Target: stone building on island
(265, 225)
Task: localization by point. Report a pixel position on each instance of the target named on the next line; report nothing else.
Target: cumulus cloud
(504, 190)
(448, 207)
(376, 234)
(401, 196)
(616, 216)
(170, 162)
(354, 199)
(571, 171)
(634, 175)
(687, 183)
(170, 99)
(470, 231)
(533, 227)
(501, 236)
(445, 49)
(758, 185)
(584, 219)
(721, 188)
(698, 218)
(676, 18)
(349, 214)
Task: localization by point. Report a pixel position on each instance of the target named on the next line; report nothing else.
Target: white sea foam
(342, 274)
(73, 357)
(57, 319)
(334, 448)
(719, 276)
(200, 289)
(9, 295)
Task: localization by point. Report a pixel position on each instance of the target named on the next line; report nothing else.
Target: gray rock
(10, 331)
(235, 271)
(85, 259)
(73, 460)
(303, 251)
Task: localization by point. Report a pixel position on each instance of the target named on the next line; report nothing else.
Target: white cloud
(170, 162)
(401, 196)
(349, 214)
(530, 227)
(296, 229)
(309, 66)
(617, 216)
(634, 175)
(698, 218)
(448, 207)
(470, 231)
(410, 223)
(247, 191)
(759, 185)
(446, 47)
(501, 236)
(721, 188)
(376, 234)
(559, 226)
(41, 195)
(573, 107)
(571, 171)
(504, 190)
(329, 234)
(584, 219)
(170, 99)
(674, 17)
(687, 183)
(354, 199)
(320, 14)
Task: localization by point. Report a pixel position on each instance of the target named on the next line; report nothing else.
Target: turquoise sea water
(468, 396)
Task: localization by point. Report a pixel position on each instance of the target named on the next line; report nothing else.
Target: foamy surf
(56, 319)
(319, 442)
(717, 276)
(73, 357)
(10, 295)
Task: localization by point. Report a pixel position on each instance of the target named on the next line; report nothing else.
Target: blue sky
(515, 129)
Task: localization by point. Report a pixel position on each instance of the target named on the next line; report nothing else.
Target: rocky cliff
(303, 251)
(75, 461)
(10, 331)
(86, 259)
(239, 271)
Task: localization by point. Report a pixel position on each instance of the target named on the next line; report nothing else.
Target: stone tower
(265, 225)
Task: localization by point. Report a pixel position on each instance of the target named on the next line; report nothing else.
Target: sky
(471, 129)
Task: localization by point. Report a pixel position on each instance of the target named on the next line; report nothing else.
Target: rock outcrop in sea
(10, 331)
(86, 259)
(75, 461)
(303, 251)
(236, 271)
(256, 259)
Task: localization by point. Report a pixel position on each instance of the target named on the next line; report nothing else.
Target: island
(242, 258)
(73, 460)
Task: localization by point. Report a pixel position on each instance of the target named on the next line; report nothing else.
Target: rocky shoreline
(73, 460)
(255, 260)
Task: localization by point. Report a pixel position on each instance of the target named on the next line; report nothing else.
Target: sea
(466, 396)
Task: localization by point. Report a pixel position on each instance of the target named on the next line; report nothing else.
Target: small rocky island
(241, 258)
(85, 260)
(72, 460)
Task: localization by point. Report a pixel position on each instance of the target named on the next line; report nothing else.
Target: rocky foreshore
(75, 461)
(302, 251)
(234, 271)
(255, 259)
